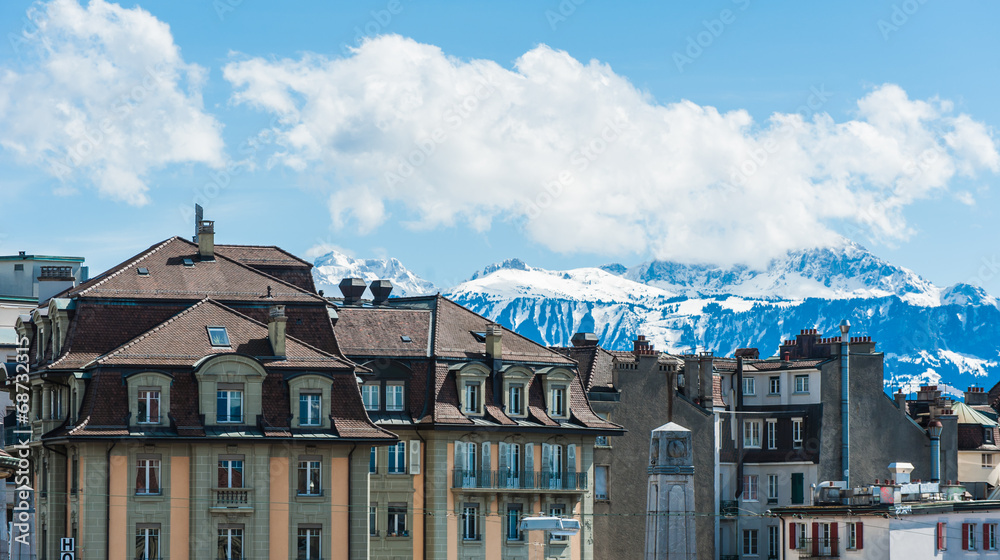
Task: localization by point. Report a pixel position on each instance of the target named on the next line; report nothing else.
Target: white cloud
(104, 95)
(400, 123)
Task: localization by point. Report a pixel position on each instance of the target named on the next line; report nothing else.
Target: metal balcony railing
(506, 480)
(819, 548)
(729, 508)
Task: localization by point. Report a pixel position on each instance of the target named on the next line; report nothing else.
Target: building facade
(190, 403)
(491, 426)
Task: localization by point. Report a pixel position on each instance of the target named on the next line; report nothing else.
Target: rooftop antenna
(198, 215)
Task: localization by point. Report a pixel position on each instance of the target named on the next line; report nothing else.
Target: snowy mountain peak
(331, 268)
(509, 264)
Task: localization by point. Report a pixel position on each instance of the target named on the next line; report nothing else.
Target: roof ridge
(128, 263)
(153, 330)
(511, 331)
(275, 247)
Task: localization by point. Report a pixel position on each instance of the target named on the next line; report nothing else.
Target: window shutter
(459, 456)
(833, 539)
(860, 534)
(502, 459)
(571, 458)
(546, 457)
(815, 547)
(940, 536)
(529, 457)
(791, 536)
(487, 464)
(965, 536)
(986, 536)
(414, 456)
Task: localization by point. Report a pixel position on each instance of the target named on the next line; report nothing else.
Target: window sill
(559, 542)
(397, 537)
(774, 394)
(398, 473)
(516, 542)
(310, 497)
(150, 497)
(800, 392)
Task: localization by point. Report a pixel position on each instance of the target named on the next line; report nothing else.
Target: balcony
(819, 548)
(729, 508)
(545, 481)
(232, 500)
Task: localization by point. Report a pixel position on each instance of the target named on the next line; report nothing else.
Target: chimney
(584, 339)
(494, 349)
(642, 347)
(353, 289)
(705, 392)
(206, 240)
(900, 398)
(976, 396)
(276, 329)
(380, 291)
(901, 472)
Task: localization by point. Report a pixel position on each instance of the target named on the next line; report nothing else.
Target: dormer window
(309, 409)
(988, 435)
(558, 407)
(471, 379)
(149, 406)
(218, 336)
(394, 397)
(515, 399)
(369, 395)
(557, 384)
(516, 379)
(229, 403)
(149, 399)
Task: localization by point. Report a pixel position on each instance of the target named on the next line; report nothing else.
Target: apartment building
(191, 402)
(491, 426)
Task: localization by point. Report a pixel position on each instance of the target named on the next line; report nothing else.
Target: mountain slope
(334, 266)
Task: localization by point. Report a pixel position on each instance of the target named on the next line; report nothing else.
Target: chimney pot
(381, 290)
(353, 289)
(276, 329)
(206, 240)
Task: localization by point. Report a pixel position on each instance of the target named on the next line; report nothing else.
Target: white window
(470, 522)
(750, 542)
(397, 458)
(369, 394)
(147, 478)
(372, 519)
(149, 406)
(394, 397)
(751, 433)
(229, 406)
(600, 482)
(373, 461)
(309, 478)
(750, 488)
(218, 336)
(990, 536)
(309, 409)
(987, 460)
(309, 546)
(230, 544)
(772, 487)
(396, 526)
(230, 473)
(852, 536)
(472, 396)
(147, 543)
(749, 386)
(774, 385)
(557, 511)
(988, 435)
(971, 530)
(772, 434)
(558, 401)
(513, 530)
(773, 541)
(796, 432)
(801, 383)
(515, 400)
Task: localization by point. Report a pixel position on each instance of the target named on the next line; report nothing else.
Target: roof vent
(143, 271)
(188, 263)
(584, 339)
(405, 338)
(381, 290)
(353, 289)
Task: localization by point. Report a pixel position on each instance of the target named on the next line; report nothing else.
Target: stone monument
(670, 513)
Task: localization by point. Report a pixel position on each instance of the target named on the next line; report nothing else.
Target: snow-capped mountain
(929, 334)
(331, 268)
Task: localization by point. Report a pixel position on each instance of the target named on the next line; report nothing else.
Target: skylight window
(480, 336)
(218, 336)
(143, 271)
(405, 338)
(188, 262)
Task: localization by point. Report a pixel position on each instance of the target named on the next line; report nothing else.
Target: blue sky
(754, 59)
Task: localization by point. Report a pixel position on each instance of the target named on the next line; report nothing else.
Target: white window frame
(370, 397)
(750, 543)
(310, 534)
(852, 536)
(774, 385)
(798, 427)
(229, 406)
(149, 534)
(751, 434)
(991, 540)
(751, 488)
(802, 384)
(972, 529)
(515, 399)
(149, 466)
(987, 460)
(473, 401)
(749, 386)
(772, 433)
(470, 522)
(773, 541)
(557, 510)
(394, 397)
(772, 487)
(149, 395)
(559, 408)
(309, 420)
(397, 458)
(373, 461)
(312, 469)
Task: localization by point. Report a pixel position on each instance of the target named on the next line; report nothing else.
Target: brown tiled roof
(223, 278)
(274, 262)
(454, 338)
(378, 331)
(183, 340)
(596, 365)
(717, 399)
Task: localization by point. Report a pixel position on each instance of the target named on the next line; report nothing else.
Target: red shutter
(792, 534)
(834, 549)
(815, 547)
(860, 534)
(986, 536)
(940, 536)
(965, 536)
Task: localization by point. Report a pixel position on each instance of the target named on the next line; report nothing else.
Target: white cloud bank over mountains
(103, 96)
(571, 151)
(590, 163)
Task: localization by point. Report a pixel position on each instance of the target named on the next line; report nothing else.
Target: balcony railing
(504, 480)
(229, 499)
(729, 508)
(819, 548)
